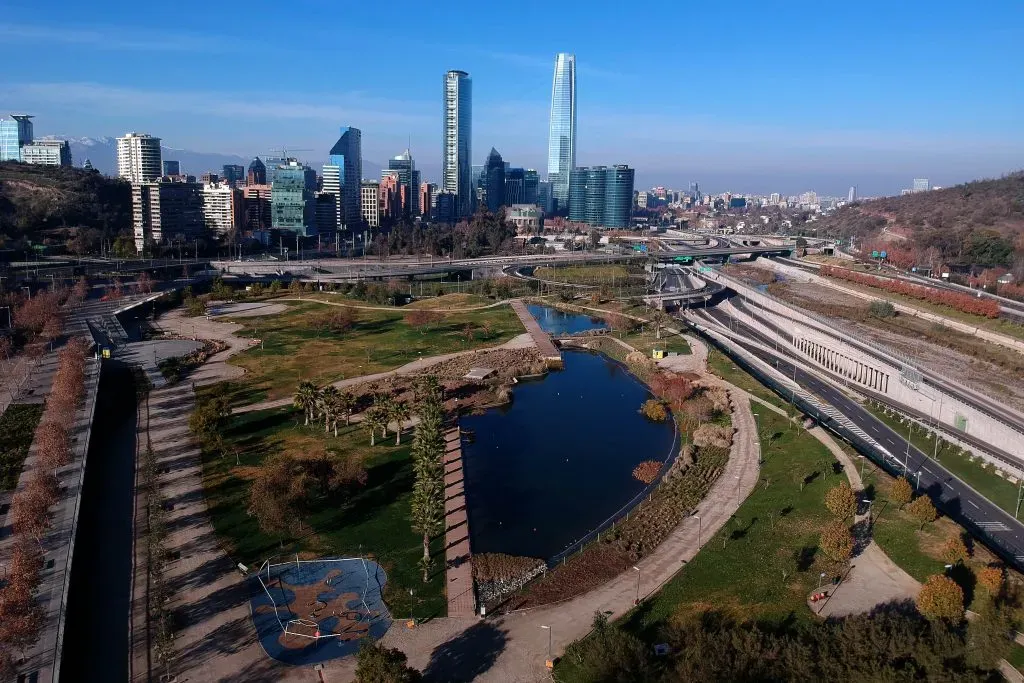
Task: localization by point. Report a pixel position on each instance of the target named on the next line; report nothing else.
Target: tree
(306, 397)
(841, 501)
(922, 510)
(654, 410)
(277, 492)
(378, 664)
(346, 404)
(210, 416)
(954, 550)
(341, 320)
(902, 492)
(836, 541)
(54, 445)
(991, 579)
(383, 401)
(941, 599)
(422, 319)
(373, 419)
(399, 412)
(611, 654)
(328, 400)
(659, 318)
(428, 488)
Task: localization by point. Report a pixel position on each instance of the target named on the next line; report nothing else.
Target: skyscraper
(409, 178)
(922, 185)
(347, 156)
(233, 174)
(601, 195)
(170, 167)
(494, 181)
(562, 131)
(257, 174)
(14, 132)
(456, 173)
(530, 186)
(515, 186)
(47, 153)
(138, 157)
(851, 196)
(292, 201)
(427, 193)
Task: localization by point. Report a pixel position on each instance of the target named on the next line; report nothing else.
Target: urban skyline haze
(797, 95)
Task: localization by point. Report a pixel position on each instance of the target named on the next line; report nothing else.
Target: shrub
(882, 309)
(712, 435)
(654, 410)
(841, 501)
(941, 599)
(647, 471)
(965, 303)
(378, 664)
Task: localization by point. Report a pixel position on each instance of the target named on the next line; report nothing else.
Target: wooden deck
(458, 558)
(548, 351)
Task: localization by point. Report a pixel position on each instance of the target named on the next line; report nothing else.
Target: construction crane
(282, 152)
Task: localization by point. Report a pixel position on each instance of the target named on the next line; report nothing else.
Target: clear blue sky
(748, 96)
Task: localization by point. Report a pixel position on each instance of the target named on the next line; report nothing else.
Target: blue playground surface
(312, 611)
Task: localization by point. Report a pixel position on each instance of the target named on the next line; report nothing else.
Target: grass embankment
(643, 338)
(612, 275)
(373, 520)
(295, 347)
(721, 365)
(979, 475)
(17, 427)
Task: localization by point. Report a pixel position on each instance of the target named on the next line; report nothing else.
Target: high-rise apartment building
(409, 178)
(494, 181)
(47, 153)
(257, 174)
(138, 157)
(223, 209)
(292, 200)
(166, 210)
(233, 174)
(370, 203)
(390, 195)
(851, 196)
(257, 208)
(331, 184)
(15, 133)
(170, 167)
(347, 156)
(562, 130)
(601, 195)
(456, 161)
(774, 198)
(427, 194)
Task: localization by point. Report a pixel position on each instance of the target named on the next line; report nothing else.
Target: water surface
(559, 323)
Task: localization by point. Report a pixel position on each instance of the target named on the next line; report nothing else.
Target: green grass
(978, 475)
(721, 365)
(585, 275)
(294, 349)
(1016, 657)
(373, 521)
(17, 427)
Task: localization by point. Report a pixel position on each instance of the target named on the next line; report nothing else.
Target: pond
(559, 323)
(544, 471)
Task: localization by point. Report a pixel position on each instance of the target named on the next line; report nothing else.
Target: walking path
(457, 555)
(541, 339)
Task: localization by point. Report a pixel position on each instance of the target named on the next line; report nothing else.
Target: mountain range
(102, 153)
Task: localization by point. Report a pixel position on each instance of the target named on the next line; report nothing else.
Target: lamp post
(821, 577)
(550, 661)
(869, 502)
(700, 523)
(919, 480)
(637, 600)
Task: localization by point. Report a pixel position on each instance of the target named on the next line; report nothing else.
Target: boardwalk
(459, 575)
(548, 351)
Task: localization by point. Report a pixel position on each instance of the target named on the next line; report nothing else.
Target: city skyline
(562, 128)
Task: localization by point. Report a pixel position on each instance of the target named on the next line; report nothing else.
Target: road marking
(974, 504)
(993, 526)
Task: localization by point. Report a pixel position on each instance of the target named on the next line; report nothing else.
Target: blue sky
(748, 96)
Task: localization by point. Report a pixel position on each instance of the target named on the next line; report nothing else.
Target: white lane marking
(974, 504)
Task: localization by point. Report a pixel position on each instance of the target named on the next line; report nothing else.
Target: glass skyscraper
(562, 131)
(347, 156)
(292, 201)
(601, 195)
(14, 132)
(409, 179)
(456, 169)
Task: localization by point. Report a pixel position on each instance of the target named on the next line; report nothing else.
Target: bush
(882, 309)
(991, 579)
(941, 599)
(654, 410)
(712, 435)
(611, 654)
(647, 471)
(964, 303)
(378, 664)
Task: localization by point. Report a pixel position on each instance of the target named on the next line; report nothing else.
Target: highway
(951, 496)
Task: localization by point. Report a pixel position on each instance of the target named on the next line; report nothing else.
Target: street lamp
(700, 523)
(637, 570)
(869, 502)
(550, 661)
(821, 577)
(919, 480)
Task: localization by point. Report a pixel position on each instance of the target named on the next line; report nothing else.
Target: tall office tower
(257, 174)
(447, 207)
(562, 130)
(326, 213)
(531, 184)
(292, 201)
(851, 196)
(593, 213)
(347, 155)
(166, 210)
(409, 178)
(47, 153)
(618, 195)
(169, 167)
(233, 174)
(494, 181)
(370, 203)
(138, 157)
(544, 200)
(515, 186)
(578, 194)
(14, 133)
(601, 196)
(922, 185)
(694, 191)
(427, 193)
(456, 170)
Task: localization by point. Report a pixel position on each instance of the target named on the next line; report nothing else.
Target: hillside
(36, 201)
(980, 222)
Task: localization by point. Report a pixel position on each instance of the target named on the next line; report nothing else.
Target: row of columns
(841, 364)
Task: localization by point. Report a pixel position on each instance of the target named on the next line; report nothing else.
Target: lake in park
(559, 323)
(544, 471)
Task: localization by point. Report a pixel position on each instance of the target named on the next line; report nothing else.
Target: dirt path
(215, 369)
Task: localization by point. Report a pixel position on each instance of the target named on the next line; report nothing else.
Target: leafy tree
(991, 579)
(954, 550)
(836, 541)
(306, 398)
(941, 599)
(987, 635)
(902, 492)
(654, 410)
(378, 664)
(210, 416)
(611, 654)
(277, 493)
(922, 510)
(841, 501)
(422, 319)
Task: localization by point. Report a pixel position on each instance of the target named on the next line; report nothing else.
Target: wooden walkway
(458, 558)
(548, 351)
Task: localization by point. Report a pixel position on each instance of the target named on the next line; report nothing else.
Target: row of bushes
(964, 303)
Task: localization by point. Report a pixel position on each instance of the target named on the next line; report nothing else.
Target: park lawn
(1016, 657)
(979, 474)
(17, 428)
(775, 532)
(373, 521)
(294, 349)
(723, 366)
(609, 274)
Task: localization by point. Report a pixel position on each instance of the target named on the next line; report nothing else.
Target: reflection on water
(559, 323)
(544, 471)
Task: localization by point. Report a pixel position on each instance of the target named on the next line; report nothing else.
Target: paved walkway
(458, 562)
(542, 339)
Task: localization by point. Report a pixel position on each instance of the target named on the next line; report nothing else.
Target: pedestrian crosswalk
(993, 526)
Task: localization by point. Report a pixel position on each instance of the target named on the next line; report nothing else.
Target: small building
(478, 374)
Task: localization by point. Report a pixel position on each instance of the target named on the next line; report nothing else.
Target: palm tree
(659, 320)
(329, 405)
(306, 397)
(373, 419)
(346, 403)
(399, 412)
(383, 402)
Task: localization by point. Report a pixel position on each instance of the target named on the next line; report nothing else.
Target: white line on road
(974, 504)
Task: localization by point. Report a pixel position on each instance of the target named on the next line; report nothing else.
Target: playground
(310, 611)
